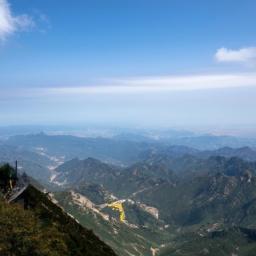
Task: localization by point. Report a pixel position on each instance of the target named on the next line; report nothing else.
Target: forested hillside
(45, 229)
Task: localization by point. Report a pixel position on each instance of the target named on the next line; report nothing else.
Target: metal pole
(16, 167)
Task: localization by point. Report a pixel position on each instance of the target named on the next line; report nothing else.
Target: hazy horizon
(94, 130)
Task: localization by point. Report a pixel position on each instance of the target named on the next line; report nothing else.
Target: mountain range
(161, 202)
(177, 200)
(56, 149)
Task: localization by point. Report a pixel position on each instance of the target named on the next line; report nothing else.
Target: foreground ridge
(44, 229)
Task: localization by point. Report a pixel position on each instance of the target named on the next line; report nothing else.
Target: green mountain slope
(123, 182)
(189, 166)
(208, 195)
(185, 213)
(135, 236)
(234, 241)
(45, 230)
(209, 198)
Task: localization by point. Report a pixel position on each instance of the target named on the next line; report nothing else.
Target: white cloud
(180, 83)
(10, 23)
(136, 86)
(242, 55)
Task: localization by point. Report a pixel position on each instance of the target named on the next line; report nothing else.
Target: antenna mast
(16, 167)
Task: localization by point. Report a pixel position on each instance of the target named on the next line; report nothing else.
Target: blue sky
(128, 63)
